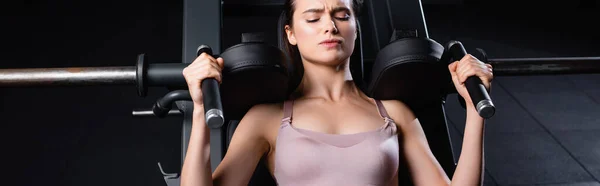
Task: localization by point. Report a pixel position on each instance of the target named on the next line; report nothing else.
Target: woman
(331, 133)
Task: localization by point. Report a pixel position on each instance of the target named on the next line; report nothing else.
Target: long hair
(294, 57)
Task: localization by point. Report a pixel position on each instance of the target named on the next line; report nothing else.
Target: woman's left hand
(466, 67)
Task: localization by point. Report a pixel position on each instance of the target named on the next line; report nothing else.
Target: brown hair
(292, 50)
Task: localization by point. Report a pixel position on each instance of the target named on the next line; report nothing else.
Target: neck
(331, 83)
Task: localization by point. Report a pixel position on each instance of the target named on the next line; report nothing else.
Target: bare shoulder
(251, 140)
(265, 111)
(262, 119)
(399, 111)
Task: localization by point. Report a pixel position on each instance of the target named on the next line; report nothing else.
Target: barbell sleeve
(544, 66)
(73, 76)
(143, 75)
(150, 112)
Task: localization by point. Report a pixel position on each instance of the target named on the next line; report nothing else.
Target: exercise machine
(380, 29)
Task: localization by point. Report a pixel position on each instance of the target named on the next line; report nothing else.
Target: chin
(333, 57)
(331, 60)
(327, 57)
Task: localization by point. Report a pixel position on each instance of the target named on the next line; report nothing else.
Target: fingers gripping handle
(213, 109)
(477, 91)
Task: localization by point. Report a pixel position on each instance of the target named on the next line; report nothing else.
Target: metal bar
(75, 76)
(173, 112)
(377, 26)
(170, 75)
(408, 16)
(545, 66)
(166, 74)
(202, 23)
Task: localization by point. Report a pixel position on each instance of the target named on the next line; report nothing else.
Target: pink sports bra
(306, 157)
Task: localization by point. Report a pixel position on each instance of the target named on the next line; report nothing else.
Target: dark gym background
(546, 131)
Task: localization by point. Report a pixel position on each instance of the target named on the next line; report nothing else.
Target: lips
(331, 41)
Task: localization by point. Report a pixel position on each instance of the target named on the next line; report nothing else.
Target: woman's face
(323, 30)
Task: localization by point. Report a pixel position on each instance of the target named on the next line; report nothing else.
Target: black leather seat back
(409, 70)
(255, 70)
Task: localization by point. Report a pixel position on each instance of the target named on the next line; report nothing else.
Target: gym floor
(546, 128)
(545, 131)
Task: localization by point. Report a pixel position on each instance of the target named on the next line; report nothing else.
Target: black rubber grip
(477, 91)
(213, 108)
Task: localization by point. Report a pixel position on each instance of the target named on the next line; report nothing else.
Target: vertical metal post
(377, 26)
(410, 18)
(432, 116)
(385, 18)
(202, 23)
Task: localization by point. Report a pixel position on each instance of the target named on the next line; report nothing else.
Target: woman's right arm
(196, 168)
(247, 145)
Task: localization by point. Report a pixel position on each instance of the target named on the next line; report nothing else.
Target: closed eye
(345, 18)
(339, 13)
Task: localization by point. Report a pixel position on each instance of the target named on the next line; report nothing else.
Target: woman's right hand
(203, 67)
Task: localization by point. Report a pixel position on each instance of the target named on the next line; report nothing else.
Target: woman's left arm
(469, 170)
(424, 167)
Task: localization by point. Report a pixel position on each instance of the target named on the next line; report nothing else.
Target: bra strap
(381, 109)
(288, 106)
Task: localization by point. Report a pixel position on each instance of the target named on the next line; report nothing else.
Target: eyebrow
(320, 10)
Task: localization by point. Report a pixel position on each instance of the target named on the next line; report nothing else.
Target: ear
(290, 35)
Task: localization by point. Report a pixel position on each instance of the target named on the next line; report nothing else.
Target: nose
(331, 27)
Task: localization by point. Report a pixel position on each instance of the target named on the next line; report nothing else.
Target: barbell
(169, 74)
(144, 74)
